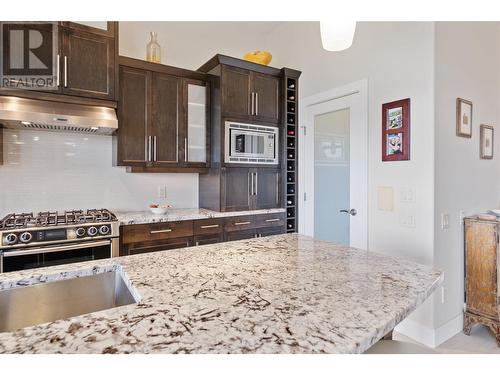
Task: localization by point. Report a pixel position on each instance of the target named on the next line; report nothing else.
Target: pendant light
(337, 35)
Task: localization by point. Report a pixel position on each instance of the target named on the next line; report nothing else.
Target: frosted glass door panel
(331, 176)
(197, 126)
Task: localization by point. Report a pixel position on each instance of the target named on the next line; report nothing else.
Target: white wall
(58, 171)
(467, 66)
(398, 60)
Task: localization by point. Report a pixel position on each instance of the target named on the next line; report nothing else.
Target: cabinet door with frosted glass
(195, 134)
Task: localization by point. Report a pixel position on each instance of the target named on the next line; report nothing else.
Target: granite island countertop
(280, 294)
(180, 214)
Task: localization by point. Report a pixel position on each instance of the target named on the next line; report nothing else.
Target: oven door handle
(53, 249)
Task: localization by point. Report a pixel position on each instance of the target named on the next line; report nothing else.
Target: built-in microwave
(251, 144)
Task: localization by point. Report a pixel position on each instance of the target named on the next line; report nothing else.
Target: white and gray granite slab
(280, 294)
(180, 214)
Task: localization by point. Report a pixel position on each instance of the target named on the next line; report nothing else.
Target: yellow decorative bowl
(259, 57)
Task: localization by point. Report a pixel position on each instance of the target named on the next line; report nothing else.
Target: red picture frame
(396, 130)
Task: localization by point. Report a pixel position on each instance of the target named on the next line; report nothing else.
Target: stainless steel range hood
(22, 113)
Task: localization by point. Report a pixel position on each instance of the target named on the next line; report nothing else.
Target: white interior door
(335, 169)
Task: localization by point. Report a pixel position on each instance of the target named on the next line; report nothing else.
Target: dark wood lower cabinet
(144, 238)
(152, 246)
(208, 239)
(240, 235)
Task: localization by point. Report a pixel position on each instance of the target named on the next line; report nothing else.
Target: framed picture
(486, 150)
(396, 130)
(464, 118)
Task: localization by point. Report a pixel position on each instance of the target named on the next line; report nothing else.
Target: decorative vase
(259, 57)
(153, 50)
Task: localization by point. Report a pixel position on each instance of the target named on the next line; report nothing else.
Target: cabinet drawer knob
(210, 226)
(161, 231)
(242, 223)
(271, 220)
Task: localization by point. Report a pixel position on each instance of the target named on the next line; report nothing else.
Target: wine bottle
(291, 190)
(290, 167)
(289, 178)
(290, 225)
(291, 86)
(290, 155)
(290, 120)
(291, 109)
(290, 144)
(291, 97)
(289, 202)
(289, 214)
(291, 132)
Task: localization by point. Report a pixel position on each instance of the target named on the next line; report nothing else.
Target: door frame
(357, 94)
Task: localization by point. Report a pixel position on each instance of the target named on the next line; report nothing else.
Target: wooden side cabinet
(482, 297)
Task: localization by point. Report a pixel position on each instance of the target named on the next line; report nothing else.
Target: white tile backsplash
(57, 171)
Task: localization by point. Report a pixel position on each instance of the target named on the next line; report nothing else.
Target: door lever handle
(351, 212)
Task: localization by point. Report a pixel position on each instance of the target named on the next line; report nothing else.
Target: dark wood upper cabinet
(266, 191)
(106, 28)
(248, 94)
(236, 189)
(165, 126)
(88, 64)
(245, 189)
(133, 116)
(163, 118)
(235, 91)
(265, 89)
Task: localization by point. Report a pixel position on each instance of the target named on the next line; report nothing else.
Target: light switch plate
(408, 195)
(385, 198)
(445, 220)
(407, 219)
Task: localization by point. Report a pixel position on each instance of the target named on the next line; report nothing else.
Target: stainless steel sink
(46, 302)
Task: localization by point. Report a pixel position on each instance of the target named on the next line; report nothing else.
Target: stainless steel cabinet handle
(185, 150)
(43, 250)
(271, 220)
(277, 188)
(155, 149)
(250, 182)
(256, 104)
(210, 226)
(242, 223)
(253, 104)
(256, 183)
(58, 70)
(197, 243)
(161, 231)
(150, 146)
(65, 71)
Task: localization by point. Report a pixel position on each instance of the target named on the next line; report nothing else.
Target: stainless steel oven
(251, 144)
(45, 256)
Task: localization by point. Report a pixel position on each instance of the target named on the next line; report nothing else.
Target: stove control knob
(92, 231)
(80, 232)
(25, 237)
(10, 239)
(104, 230)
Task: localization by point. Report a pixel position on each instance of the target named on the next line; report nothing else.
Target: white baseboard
(415, 331)
(449, 329)
(427, 336)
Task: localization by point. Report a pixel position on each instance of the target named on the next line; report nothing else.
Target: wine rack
(290, 123)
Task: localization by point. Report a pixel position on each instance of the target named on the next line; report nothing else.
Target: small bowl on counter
(159, 210)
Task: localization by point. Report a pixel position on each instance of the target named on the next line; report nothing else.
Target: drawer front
(149, 247)
(237, 223)
(270, 220)
(157, 231)
(240, 235)
(271, 231)
(208, 226)
(207, 239)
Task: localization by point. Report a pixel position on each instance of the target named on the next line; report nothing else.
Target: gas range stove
(53, 238)
(27, 229)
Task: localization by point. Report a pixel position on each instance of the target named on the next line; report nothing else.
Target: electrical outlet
(407, 220)
(408, 195)
(445, 221)
(162, 192)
